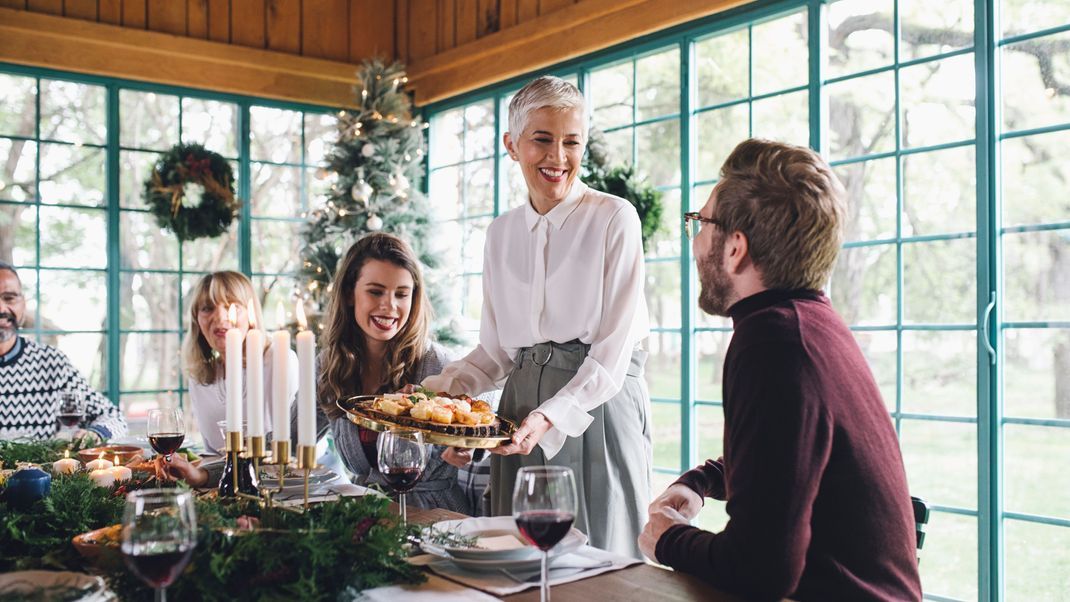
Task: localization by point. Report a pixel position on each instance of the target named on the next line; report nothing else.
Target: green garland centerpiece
(191, 192)
(330, 552)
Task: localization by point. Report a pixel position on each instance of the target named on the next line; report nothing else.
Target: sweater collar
(13, 354)
(770, 297)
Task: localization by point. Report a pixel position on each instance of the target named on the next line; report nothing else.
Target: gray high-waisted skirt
(612, 459)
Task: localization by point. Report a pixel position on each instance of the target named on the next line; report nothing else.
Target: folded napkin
(323, 493)
(496, 583)
(435, 589)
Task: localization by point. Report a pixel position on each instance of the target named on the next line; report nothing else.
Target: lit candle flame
(101, 456)
(252, 314)
(66, 454)
(233, 315)
(301, 321)
(280, 315)
(116, 459)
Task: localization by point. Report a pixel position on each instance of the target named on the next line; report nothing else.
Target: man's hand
(457, 456)
(179, 468)
(660, 520)
(680, 498)
(85, 438)
(527, 436)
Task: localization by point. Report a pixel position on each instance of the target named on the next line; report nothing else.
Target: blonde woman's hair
(544, 92)
(345, 352)
(201, 362)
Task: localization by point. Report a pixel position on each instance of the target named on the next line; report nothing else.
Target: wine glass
(544, 506)
(402, 457)
(71, 412)
(166, 431)
(159, 534)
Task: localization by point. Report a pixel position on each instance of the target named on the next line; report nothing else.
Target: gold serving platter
(352, 409)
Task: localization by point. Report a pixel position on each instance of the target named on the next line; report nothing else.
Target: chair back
(921, 517)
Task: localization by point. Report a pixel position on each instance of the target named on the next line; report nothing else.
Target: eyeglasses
(693, 221)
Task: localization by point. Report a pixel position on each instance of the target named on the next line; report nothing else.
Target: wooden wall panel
(219, 20)
(526, 10)
(80, 9)
(247, 23)
(488, 20)
(401, 29)
(371, 30)
(507, 13)
(16, 4)
(48, 7)
(284, 25)
(167, 16)
(326, 29)
(467, 21)
(551, 6)
(423, 17)
(446, 36)
(134, 13)
(110, 11)
(197, 19)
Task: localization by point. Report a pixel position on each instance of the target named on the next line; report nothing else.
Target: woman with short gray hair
(563, 315)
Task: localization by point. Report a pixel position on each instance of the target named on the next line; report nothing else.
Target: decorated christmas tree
(374, 170)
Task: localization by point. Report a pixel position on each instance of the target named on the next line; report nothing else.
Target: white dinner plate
(74, 586)
(520, 558)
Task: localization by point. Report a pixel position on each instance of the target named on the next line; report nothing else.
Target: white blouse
(208, 401)
(575, 273)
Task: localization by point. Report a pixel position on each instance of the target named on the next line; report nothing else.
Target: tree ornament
(321, 173)
(367, 150)
(362, 191)
(374, 223)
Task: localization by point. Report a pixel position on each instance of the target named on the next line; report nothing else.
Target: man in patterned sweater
(32, 375)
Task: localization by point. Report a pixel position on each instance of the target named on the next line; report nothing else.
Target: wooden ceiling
(306, 50)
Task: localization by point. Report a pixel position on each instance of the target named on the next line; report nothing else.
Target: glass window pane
(136, 169)
(479, 188)
(861, 116)
(475, 238)
(949, 560)
(719, 132)
(940, 192)
(18, 224)
(149, 301)
(659, 152)
(514, 189)
(663, 293)
(87, 352)
(864, 285)
(721, 67)
(1034, 175)
(73, 300)
(666, 240)
(710, 348)
(320, 136)
(930, 28)
(18, 167)
(1032, 90)
(275, 290)
(449, 248)
(479, 139)
(445, 193)
(72, 174)
(150, 361)
(213, 254)
(1036, 372)
(1039, 456)
(666, 434)
(879, 347)
(472, 287)
(662, 369)
(710, 429)
(278, 248)
(1035, 265)
(17, 99)
(611, 96)
(274, 135)
(859, 36)
(318, 188)
(276, 190)
(1024, 16)
(781, 54)
(657, 86)
(940, 372)
(1036, 560)
(144, 244)
(215, 125)
(940, 282)
(941, 461)
(446, 137)
(72, 112)
(74, 238)
(871, 199)
(785, 118)
(618, 146)
(147, 120)
(938, 101)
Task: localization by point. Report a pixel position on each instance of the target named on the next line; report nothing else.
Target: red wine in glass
(159, 568)
(402, 479)
(69, 420)
(544, 528)
(166, 443)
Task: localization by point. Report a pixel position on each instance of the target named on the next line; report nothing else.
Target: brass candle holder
(306, 461)
(257, 451)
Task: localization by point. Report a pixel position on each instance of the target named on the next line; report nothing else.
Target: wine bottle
(247, 479)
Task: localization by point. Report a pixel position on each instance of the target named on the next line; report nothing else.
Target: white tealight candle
(233, 373)
(120, 472)
(306, 381)
(66, 465)
(254, 371)
(103, 477)
(280, 378)
(99, 464)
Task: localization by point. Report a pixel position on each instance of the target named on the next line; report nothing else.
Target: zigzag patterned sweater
(31, 377)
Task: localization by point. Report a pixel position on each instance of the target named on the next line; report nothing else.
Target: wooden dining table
(645, 582)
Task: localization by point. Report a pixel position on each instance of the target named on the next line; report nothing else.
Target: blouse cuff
(566, 416)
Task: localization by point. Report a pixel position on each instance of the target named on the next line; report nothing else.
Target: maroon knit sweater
(816, 492)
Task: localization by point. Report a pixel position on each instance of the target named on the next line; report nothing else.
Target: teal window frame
(988, 327)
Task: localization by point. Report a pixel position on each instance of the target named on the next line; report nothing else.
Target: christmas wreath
(191, 192)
